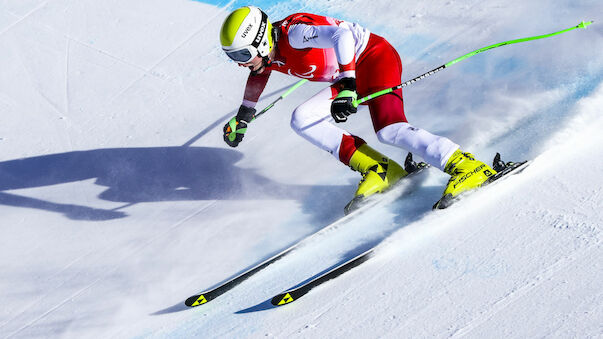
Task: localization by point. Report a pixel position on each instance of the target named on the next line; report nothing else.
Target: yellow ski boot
(466, 173)
(378, 174)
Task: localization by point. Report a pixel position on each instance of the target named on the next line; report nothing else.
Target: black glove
(343, 104)
(235, 129)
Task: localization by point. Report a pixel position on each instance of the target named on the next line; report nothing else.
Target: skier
(355, 62)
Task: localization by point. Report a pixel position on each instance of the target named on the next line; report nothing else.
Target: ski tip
(282, 299)
(196, 300)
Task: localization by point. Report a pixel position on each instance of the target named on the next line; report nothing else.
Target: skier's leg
(392, 128)
(312, 120)
(465, 171)
(382, 68)
(434, 149)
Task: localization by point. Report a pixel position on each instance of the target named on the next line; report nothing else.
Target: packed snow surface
(119, 198)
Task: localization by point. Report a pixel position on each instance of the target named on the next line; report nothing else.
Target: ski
(286, 297)
(207, 296)
(502, 171)
(299, 291)
(411, 167)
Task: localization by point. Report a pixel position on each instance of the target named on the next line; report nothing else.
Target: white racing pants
(312, 120)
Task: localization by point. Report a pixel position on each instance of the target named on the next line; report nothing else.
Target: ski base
(502, 170)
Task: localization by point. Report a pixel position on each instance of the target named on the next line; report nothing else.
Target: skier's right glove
(235, 129)
(343, 104)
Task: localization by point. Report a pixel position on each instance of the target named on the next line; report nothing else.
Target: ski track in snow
(34, 10)
(158, 62)
(108, 273)
(521, 291)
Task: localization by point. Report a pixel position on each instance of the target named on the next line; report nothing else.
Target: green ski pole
(583, 24)
(293, 88)
(233, 121)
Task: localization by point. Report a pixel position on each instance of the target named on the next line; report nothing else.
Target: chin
(260, 70)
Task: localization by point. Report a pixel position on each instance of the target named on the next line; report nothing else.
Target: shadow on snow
(134, 175)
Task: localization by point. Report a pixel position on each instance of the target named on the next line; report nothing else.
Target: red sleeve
(255, 86)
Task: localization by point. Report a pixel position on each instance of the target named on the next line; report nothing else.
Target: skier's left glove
(235, 129)
(343, 104)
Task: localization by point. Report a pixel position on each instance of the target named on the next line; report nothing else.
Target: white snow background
(119, 198)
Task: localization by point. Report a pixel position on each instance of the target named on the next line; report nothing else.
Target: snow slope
(119, 198)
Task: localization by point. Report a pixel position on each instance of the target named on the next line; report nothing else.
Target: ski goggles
(243, 55)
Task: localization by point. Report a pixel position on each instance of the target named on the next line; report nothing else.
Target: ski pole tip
(584, 24)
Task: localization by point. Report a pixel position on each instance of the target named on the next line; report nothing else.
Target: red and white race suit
(325, 49)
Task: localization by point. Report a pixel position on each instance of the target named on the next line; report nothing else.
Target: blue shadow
(153, 174)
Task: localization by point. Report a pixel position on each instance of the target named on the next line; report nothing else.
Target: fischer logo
(469, 174)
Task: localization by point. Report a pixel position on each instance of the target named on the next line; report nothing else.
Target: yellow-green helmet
(246, 33)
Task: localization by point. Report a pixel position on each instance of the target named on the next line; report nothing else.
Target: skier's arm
(254, 88)
(235, 129)
(342, 40)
